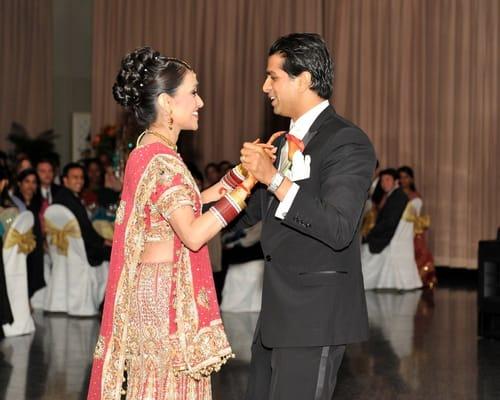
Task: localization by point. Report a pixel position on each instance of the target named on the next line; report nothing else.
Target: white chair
(242, 290)
(14, 254)
(395, 267)
(74, 287)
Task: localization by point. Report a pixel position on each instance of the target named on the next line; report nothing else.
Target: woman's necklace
(165, 140)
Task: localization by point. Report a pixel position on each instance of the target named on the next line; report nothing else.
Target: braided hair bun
(143, 76)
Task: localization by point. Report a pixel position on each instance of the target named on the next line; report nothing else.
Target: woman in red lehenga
(423, 256)
(161, 334)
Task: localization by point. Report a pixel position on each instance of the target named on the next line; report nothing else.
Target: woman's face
(28, 187)
(405, 180)
(185, 103)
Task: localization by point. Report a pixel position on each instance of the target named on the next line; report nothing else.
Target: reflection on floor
(422, 346)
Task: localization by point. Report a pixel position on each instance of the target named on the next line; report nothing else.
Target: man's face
(387, 182)
(45, 173)
(282, 90)
(74, 181)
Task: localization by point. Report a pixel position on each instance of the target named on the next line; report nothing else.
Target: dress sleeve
(173, 188)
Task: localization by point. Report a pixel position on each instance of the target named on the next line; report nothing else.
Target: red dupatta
(199, 342)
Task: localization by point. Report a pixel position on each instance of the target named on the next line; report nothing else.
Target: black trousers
(293, 373)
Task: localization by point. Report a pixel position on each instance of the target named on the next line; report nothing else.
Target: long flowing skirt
(149, 361)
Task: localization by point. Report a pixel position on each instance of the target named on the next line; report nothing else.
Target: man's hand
(256, 161)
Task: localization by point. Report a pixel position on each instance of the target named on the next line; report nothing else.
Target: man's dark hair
(44, 161)
(390, 171)
(307, 52)
(72, 165)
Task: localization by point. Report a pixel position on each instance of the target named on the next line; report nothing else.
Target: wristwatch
(276, 182)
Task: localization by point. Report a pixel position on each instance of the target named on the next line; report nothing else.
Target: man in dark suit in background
(97, 248)
(48, 189)
(313, 301)
(394, 204)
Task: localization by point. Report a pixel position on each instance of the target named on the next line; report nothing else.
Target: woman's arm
(192, 231)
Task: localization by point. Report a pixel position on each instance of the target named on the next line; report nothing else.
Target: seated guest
(48, 189)
(97, 248)
(423, 256)
(96, 195)
(22, 162)
(389, 215)
(27, 192)
(212, 174)
(7, 215)
(387, 255)
(224, 167)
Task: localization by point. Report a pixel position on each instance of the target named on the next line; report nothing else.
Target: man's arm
(333, 215)
(392, 215)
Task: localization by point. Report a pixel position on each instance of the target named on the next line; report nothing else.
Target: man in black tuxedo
(313, 301)
(48, 189)
(394, 204)
(97, 248)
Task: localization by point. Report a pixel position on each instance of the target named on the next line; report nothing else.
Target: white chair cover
(242, 290)
(395, 266)
(74, 287)
(16, 278)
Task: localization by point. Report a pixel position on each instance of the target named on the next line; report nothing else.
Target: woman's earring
(170, 121)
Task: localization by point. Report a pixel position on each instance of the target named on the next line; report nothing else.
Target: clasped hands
(258, 159)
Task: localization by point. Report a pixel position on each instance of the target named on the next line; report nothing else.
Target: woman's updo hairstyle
(144, 75)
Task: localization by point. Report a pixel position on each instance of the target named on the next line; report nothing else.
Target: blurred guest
(95, 194)
(97, 248)
(6, 218)
(105, 160)
(423, 256)
(23, 162)
(27, 191)
(3, 160)
(224, 166)
(196, 173)
(48, 189)
(390, 213)
(212, 174)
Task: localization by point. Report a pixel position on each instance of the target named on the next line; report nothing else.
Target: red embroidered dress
(161, 328)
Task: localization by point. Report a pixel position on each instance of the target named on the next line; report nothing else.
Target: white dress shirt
(298, 129)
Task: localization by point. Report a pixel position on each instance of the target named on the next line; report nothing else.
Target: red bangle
(225, 210)
(233, 177)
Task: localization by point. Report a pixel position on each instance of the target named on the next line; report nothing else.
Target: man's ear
(305, 80)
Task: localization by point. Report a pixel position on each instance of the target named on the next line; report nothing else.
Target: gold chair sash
(420, 222)
(59, 237)
(26, 241)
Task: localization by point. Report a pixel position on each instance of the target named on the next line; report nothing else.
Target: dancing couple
(161, 334)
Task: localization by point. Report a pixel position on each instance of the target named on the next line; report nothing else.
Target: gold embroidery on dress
(202, 298)
(120, 212)
(99, 347)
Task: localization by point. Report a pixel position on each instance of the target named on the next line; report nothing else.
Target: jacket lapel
(313, 131)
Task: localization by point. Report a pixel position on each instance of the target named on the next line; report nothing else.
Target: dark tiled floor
(421, 347)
